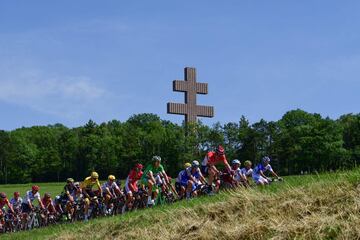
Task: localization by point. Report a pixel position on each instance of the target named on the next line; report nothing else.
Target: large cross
(190, 87)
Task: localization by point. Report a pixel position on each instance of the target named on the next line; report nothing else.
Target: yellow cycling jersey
(89, 183)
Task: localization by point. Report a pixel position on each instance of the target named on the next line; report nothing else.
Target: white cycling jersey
(247, 172)
(111, 187)
(31, 197)
(237, 174)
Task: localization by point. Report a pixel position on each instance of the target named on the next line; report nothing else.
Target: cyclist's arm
(108, 191)
(274, 174)
(117, 191)
(212, 167)
(40, 203)
(166, 177)
(243, 176)
(130, 186)
(28, 200)
(99, 187)
(151, 176)
(83, 188)
(262, 174)
(10, 206)
(228, 167)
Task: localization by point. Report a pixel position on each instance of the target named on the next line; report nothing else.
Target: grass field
(325, 206)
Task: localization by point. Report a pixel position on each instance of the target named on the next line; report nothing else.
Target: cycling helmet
(156, 159)
(35, 188)
(95, 175)
(235, 161)
(111, 178)
(3, 195)
(195, 164)
(70, 180)
(220, 150)
(247, 163)
(47, 195)
(266, 159)
(187, 165)
(16, 194)
(77, 184)
(139, 166)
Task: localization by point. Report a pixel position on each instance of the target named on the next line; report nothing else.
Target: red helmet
(220, 150)
(16, 194)
(139, 166)
(35, 188)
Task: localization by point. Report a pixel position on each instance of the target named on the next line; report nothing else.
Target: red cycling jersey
(131, 181)
(134, 176)
(213, 158)
(4, 202)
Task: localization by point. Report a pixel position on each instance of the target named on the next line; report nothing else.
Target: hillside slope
(311, 207)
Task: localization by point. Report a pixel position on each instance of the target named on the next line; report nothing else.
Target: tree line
(299, 142)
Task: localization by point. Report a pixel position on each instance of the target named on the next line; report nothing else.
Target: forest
(298, 143)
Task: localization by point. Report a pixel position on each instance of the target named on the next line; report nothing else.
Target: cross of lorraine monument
(191, 88)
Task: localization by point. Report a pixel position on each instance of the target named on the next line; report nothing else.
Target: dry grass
(320, 211)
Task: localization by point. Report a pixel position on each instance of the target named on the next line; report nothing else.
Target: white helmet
(195, 164)
(235, 161)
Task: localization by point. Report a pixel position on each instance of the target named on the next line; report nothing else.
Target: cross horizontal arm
(180, 86)
(202, 88)
(204, 111)
(177, 108)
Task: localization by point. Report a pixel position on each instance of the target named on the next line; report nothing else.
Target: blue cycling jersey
(185, 175)
(260, 167)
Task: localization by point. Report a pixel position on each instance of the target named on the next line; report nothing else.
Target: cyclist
(27, 205)
(131, 185)
(258, 173)
(110, 190)
(67, 197)
(4, 201)
(208, 167)
(191, 179)
(180, 189)
(239, 177)
(87, 189)
(247, 172)
(16, 202)
(48, 203)
(30, 196)
(153, 171)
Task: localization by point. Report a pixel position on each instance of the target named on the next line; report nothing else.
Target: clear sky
(70, 61)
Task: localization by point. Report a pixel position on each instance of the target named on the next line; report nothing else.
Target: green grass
(166, 216)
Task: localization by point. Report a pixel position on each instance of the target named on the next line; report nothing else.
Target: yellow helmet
(186, 165)
(247, 163)
(111, 178)
(95, 175)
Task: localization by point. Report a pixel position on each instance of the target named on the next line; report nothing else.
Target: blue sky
(71, 61)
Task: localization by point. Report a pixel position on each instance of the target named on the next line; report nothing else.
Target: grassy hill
(325, 206)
